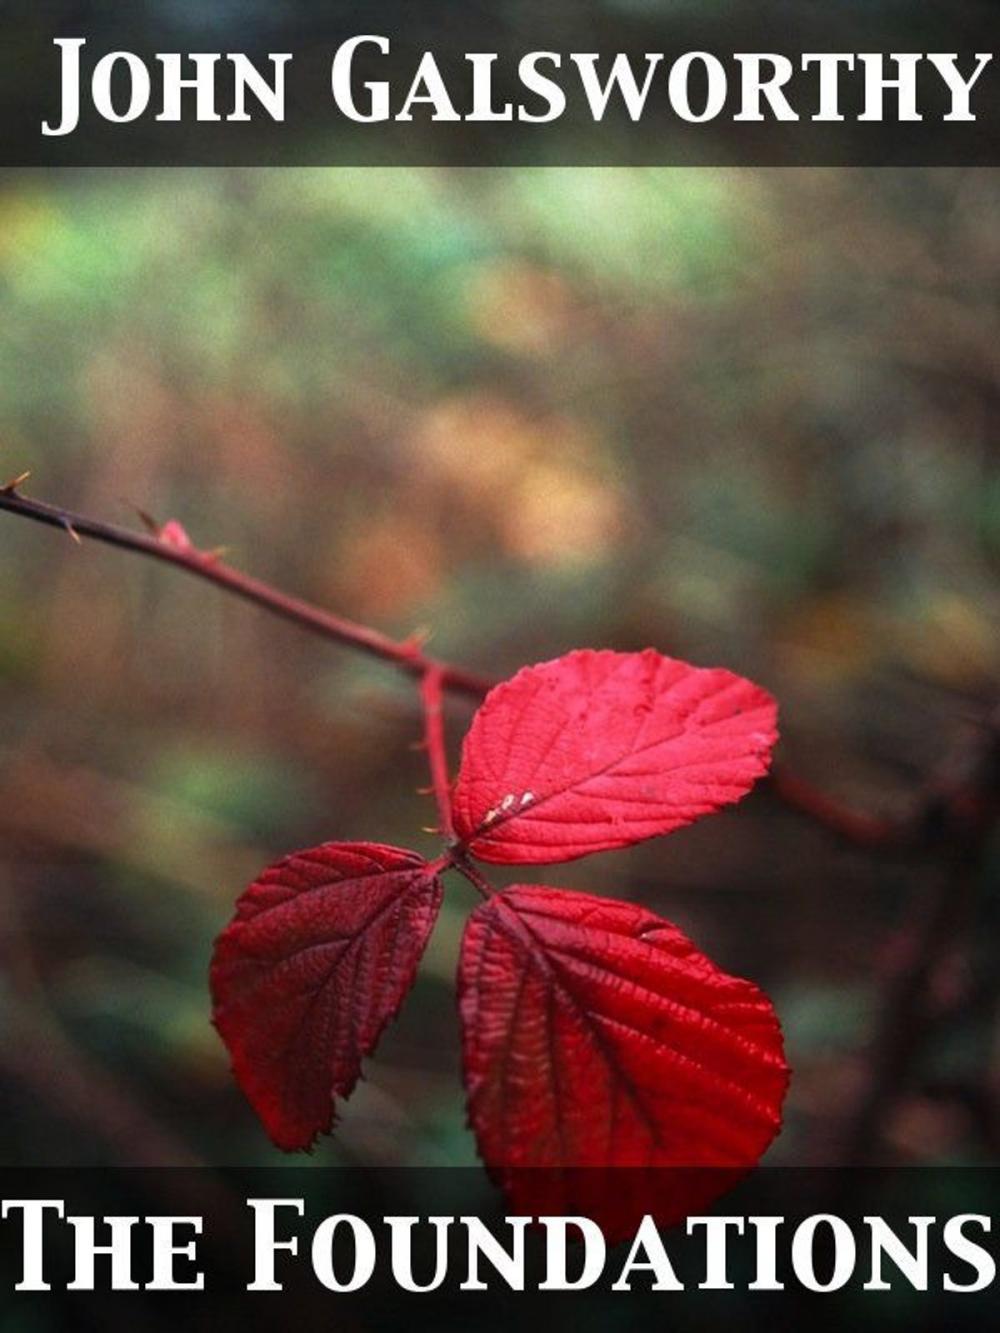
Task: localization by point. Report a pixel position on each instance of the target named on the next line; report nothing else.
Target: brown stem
(863, 830)
(432, 699)
(955, 825)
(903, 1015)
(469, 871)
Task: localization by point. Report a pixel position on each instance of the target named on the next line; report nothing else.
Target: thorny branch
(170, 545)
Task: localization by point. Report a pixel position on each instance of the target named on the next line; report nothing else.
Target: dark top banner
(645, 82)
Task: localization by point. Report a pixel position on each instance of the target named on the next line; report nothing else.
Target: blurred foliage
(747, 417)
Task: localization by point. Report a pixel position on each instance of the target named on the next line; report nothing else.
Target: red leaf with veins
(317, 960)
(601, 749)
(595, 1035)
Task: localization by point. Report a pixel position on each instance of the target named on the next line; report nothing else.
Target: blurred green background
(746, 417)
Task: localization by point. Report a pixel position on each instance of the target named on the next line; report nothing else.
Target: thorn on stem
(72, 531)
(10, 487)
(418, 639)
(147, 521)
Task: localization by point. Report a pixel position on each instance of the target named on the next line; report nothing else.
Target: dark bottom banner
(362, 1249)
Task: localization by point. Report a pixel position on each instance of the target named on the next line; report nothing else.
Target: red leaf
(317, 960)
(601, 749)
(596, 1036)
